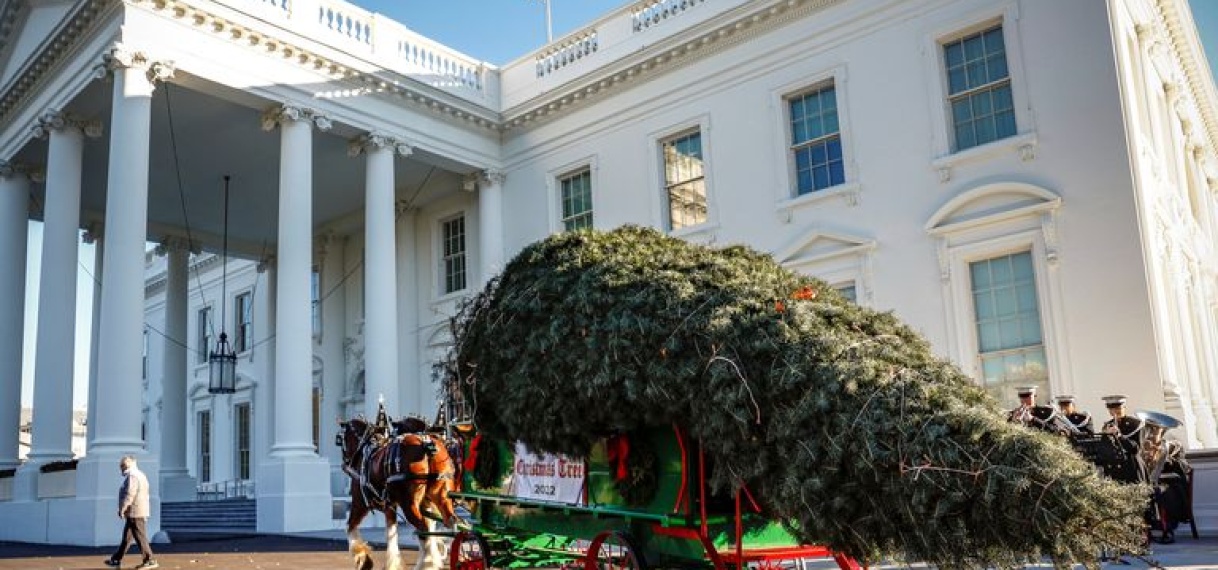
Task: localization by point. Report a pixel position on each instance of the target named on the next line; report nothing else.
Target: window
(241, 416)
(315, 296)
(453, 239)
(205, 446)
(576, 196)
(144, 368)
(243, 309)
(979, 88)
(203, 325)
(684, 180)
(1010, 345)
(816, 141)
(848, 290)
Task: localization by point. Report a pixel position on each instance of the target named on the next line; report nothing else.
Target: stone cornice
(668, 54)
(421, 97)
(1186, 48)
(65, 38)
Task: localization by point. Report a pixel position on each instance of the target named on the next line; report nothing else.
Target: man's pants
(134, 530)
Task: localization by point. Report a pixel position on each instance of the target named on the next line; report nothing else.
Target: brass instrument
(1154, 449)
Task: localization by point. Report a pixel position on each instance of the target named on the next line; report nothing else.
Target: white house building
(1031, 185)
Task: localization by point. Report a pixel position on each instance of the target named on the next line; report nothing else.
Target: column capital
(176, 243)
(265, 264)
(326, 241)
(93, 232)
(369, 141)
(277, 115)
(58, 121)
(123, 57)
(402, 207)
(483, 179)
(35, 172)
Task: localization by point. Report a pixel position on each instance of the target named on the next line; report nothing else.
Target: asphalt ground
(293, 552)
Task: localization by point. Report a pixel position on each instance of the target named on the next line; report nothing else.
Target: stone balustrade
(650, 13)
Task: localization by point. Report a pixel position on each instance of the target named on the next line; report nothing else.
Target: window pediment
(991, 204)
(819, 245)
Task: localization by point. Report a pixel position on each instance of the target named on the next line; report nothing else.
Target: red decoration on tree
(472, 459)
(617, 448)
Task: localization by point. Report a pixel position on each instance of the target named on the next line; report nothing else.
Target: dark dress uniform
(1082, 422)
(1130, 468)
(1039, 417)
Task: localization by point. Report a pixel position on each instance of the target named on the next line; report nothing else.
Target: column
(51, 433)
(176, 482)
(14, 222)
(380, 271)
(418, 388)
(264, 389)
(119, 389)
(293, 483)
(490, 223)
(330, 257)
(93, 235)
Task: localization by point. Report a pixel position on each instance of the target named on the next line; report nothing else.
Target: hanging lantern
(222, 362)
(223, 368)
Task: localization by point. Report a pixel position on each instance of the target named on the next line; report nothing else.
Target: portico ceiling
(202, 131)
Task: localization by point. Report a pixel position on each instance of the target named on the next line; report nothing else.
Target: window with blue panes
(816, 140)
(979, 88)
(1010, 345)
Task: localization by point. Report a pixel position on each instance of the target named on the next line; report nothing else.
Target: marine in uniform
(1079, 420)
(1029, 413)
(1127, 431)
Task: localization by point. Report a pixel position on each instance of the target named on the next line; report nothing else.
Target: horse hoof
(363, 562)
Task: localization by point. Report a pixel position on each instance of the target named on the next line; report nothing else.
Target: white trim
(848, 259)
(787, 191)
(438, 294)
(700, 123)
(591, 163)
(943, 154)
(1001, 231)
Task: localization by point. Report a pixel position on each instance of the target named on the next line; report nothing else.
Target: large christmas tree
(840, 419)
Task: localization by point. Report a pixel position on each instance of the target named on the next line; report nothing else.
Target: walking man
(134, 509)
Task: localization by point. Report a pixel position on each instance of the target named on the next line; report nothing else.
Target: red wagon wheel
(614, 550)
(469, 551)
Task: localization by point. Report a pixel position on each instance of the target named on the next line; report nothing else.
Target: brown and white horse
(410, 472)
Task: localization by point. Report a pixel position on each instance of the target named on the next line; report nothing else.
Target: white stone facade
(379, 177)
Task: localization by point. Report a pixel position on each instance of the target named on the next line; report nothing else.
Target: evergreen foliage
(840, 419)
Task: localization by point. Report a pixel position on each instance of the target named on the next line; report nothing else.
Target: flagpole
(549, 26)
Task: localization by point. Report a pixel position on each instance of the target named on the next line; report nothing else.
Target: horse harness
(392, 462)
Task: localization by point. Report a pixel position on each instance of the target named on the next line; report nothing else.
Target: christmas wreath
(634, 465)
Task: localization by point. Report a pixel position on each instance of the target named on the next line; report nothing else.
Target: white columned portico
(294, 482)
(176, 482)
(490, 223)
(51, 433)
(380, 270)
(119, 416)
(14, 222)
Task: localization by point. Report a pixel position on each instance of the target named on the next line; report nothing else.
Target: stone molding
(363, 143)
(35, 173)
(59, 121)
(277, 115)
(94, 232)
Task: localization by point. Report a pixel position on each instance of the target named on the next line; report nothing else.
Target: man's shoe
(113, 563)
(148, 565)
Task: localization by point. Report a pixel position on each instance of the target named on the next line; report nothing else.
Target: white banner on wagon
(546, 477)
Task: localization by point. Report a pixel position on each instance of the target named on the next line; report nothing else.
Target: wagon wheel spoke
(469, 551)
(614, 550)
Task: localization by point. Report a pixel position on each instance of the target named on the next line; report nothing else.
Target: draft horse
(411, 472)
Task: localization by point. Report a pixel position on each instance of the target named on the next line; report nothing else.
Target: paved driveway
(283, 552)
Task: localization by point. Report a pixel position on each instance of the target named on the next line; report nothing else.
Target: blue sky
(496, 31)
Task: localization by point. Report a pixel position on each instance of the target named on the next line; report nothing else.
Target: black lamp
(222, 362)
